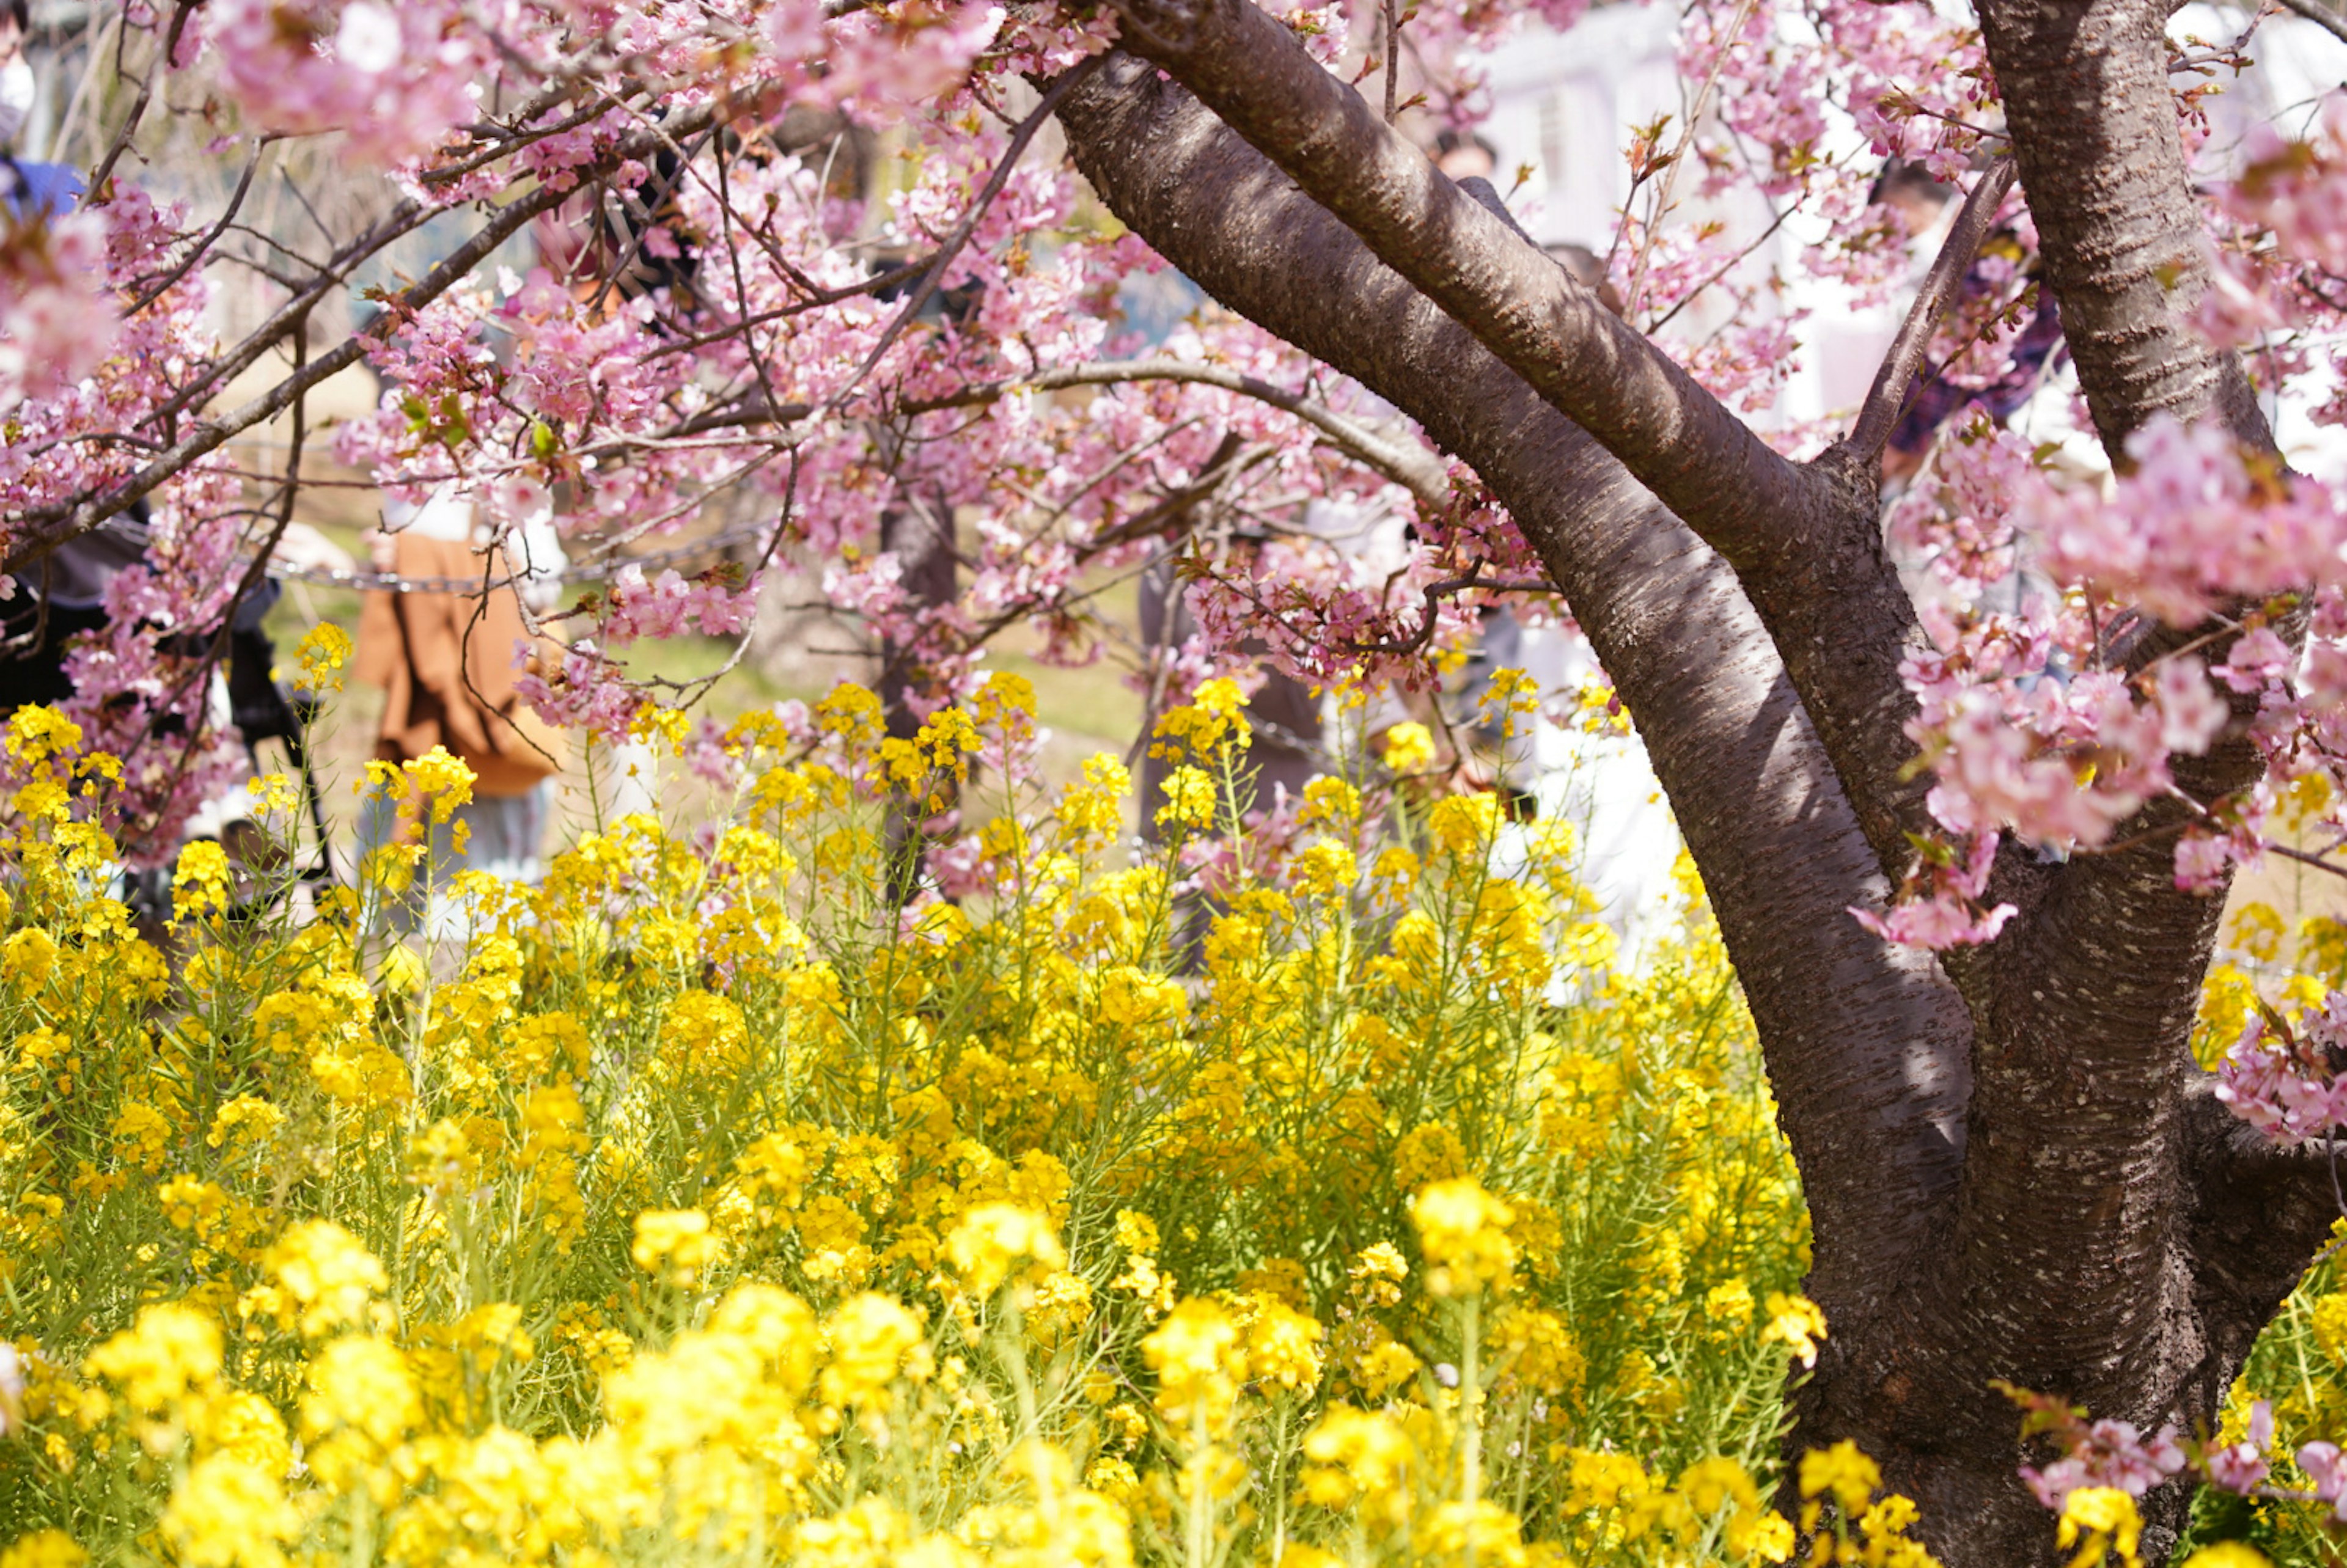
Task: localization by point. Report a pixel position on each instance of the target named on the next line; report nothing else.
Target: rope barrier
(587, 571)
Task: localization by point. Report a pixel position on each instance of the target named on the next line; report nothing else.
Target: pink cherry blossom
(2243, 1467)
(2286, 1084)
(2327, 1469)
(2108, 1453)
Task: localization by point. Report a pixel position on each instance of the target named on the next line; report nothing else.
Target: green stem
(1470, 1410)
(1278, 1486)
(1199, 1450)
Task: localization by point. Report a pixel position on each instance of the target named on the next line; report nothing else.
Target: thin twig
(1393, 54)
(1662, 206)
(2304, 859)
(814, 300)
(506, 140)
(203, 246)
(105, 169)
(1436, 592)
(1726, 267)
(1417, 470)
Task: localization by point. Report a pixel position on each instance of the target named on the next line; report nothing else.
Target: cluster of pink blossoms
(1942, 906)
(2283, 1080)
(2115, 1454)
(2107, 1453)
(2326, 1466)
(2033, 718)
(2295, 188)
(56, 321)
(394, 78)
(2061, 762)
(2191, 526)
(672, 604)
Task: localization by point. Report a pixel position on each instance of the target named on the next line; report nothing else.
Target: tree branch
(2095, 133)
(953, 242)
(2084, 1083)
(50, 527)
(1436, 592)
(1888, 394)
(2316, 13)
(95, 191)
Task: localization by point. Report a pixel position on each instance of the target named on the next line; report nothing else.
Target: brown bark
(2113, 1242)
(2094, 132)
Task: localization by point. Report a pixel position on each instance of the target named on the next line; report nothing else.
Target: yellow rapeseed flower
(873, 1341)
(2099, 1520)
(1798, 1322)
(1843, 1471)
(991, 1237)
(167, 1355)
(228, 1513)
(1462, 1230)
(332, 1279)
(1409, 748)
(321, 656)
(43, 1549)
(674, 1243)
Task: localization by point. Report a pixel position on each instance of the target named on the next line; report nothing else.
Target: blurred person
(1464, 156)
(29, 190)
(1926, 209)
(1922, 205)
(608, 247)
(19, 89)
(1589, 269)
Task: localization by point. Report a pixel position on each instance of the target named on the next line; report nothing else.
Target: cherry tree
(1968, 849)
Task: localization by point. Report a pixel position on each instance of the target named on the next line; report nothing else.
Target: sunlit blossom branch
(1660, 206)
(1436, 592)
(50, 526)
(815, 299)
(1229, 460)
(508, 137)
(1722, 271)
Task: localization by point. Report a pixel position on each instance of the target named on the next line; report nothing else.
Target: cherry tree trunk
(2012, 1166)
(918, 530)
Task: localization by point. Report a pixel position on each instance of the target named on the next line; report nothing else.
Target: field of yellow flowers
(703, 1207)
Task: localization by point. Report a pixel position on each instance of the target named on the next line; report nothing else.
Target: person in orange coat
(446, 662)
